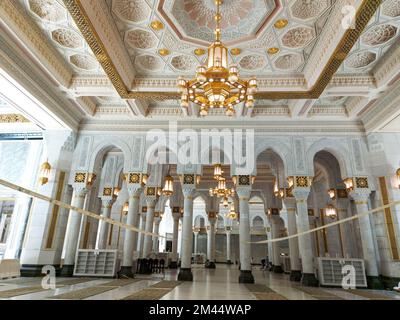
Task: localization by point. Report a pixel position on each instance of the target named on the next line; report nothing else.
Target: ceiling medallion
(217, 85)
(157, 25)
(281, 23)
(236, 51)
(164, 52)
(273, 50)
(199, 52)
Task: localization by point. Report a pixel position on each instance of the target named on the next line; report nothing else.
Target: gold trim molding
(364, 14)
(13, 118)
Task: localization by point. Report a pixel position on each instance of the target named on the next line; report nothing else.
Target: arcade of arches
(85, 110)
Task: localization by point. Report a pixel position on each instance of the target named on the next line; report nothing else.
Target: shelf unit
(96, 263)
(330, 271)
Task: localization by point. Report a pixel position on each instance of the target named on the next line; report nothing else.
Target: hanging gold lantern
(332, 193)
(125, 208)
(218, 171)
(44, 173)
(398, 177)
(330, 211)
(349, 184)
(168, 186)
(116, 191)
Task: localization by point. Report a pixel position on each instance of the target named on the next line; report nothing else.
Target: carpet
(370, 295)
(262, 292)
(166, 284)
(319, 294)
(148, 294)
(20, 291)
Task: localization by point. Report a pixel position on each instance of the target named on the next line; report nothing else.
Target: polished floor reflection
(218, 284)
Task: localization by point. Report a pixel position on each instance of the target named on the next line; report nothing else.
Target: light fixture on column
(290, 181)
(276, 189)
(116, 191)
(44, 173)
(349, 183)
(168, 186)
(91, 179)
(398, 177)
(218, 171)
(232, 213)
(330, 211)
(217, 85)
(125, 208)
(225, 202)
(332, 193)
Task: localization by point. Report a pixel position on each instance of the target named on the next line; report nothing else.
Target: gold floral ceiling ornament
(217, 85)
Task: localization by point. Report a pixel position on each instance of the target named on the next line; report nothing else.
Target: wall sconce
(198, 179)
(349, 184)
(125, 208)
(398, 177)
(332, 193)
(281, 193)
(145, 177)
(91, 179)
(225, 202)
(330, 211)
(44, 173)
(116, 191)
(290, 181)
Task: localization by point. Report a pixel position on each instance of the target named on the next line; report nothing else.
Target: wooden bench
(9, 268)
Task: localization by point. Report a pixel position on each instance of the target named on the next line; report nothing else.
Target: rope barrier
(379, 209)
(79, 210)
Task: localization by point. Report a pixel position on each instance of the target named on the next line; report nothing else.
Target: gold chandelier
(168, 189)
(221, 191)
(217, 85)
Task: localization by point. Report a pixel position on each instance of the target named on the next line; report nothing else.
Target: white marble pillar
(210, 264)
(244, 235)
(72, 232)
(175, 232)
(367, 239)
(130, 240)
(156, 230)
(345, 228)
(148, 240)
(102, 231)
(295, 266)
(276, 259)
(185, 273)
(228, 233)
(141, 235)
(305, 241)
(196, 239)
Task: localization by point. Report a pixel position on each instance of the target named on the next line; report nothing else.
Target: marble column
(196, 238)
(72, 232)
(156, 230)
(344, 228)
(141, 235)
(367, 240)
(147, 243)
(130, 240)
(246, 275)
(276, 261)
(210, 263)
(175, 231)
(228, 233)
(102, 231)
(295, 266)
(185, 272)
(305, 243)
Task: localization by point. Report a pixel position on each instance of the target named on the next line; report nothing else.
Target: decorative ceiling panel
(57, 24)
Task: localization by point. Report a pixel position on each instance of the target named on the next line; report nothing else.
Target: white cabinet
(97, 263)
(330, 271)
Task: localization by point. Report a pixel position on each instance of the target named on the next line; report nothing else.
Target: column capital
(290, 203)
(151, 201)
(134, 190)
(157, 220)
(176, 213)
(107, 203)
(301, 194)
(243, 193)
(188, 191)
(360, 197)
(80, 191)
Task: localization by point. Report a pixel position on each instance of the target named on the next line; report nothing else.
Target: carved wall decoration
(49, 10)
(289, 61)
(298, 37)
(361, 59)
(307, 9)
(80, 177)
(253, 62)
(183, 62)
(391, 8)
(149, 62)
(379, 34)
(67, 38)
(141, 39)
(84, 62)
(131, 10)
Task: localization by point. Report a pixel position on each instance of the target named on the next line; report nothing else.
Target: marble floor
(218, 284)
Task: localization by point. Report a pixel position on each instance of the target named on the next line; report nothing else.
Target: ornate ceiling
(119, 59)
